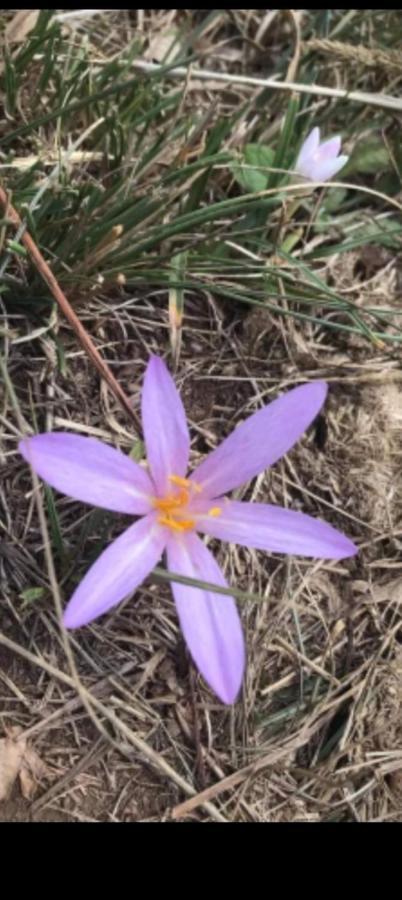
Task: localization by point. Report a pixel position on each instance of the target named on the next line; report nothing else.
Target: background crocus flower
(319, 161)
(174, 507)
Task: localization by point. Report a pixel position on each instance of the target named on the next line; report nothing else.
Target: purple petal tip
(68, 622)
(322, 387)
(349, 548)
(228, 698)
(23, 447)
(155, 360)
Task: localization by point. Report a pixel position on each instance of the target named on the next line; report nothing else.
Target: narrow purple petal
(273, 528)
(308, 148)
(210, 622)
(326, 169)
(329, 149)
(165, 427)
(90, 471)
(260, 441)
(117, 572)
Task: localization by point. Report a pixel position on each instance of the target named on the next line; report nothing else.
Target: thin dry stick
(315, 90)
(200, 768)
(67, 309)
(294, 62)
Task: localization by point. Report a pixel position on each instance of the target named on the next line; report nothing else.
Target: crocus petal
(165, 427)
(90, 471)
(260, 441)
(117, 572)
(329, 149)
(328, 168)
(273, 528)
(210, 622)
(308, 148)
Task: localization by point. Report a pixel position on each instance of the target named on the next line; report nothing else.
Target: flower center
(174, 509)
(174, 506)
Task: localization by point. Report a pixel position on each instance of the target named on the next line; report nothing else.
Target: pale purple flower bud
(319, 161)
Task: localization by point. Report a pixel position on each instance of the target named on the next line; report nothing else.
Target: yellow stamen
(176, 524)
(214, 511)
(172, 501)
(185, 483)
(173, 506)
(181, 482)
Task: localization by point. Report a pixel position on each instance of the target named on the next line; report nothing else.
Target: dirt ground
(321, 707)
(119, 726)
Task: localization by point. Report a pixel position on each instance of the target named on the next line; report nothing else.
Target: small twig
(316, 90)
(294, 62)
(82, 14)
(67, 309)
(199, 761)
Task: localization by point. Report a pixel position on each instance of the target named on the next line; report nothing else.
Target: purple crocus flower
(319, 161)
(173, 507)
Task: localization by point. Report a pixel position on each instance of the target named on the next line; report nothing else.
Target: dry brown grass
(323, 650)
(124, 727)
